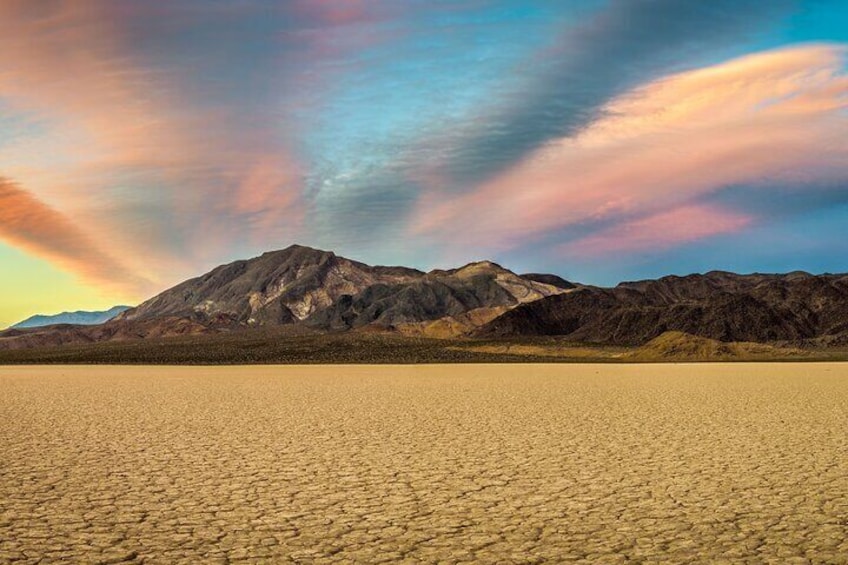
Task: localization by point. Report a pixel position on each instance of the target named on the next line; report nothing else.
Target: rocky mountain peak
(480, 268)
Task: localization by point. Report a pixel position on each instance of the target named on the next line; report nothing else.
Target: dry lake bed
(424, 464)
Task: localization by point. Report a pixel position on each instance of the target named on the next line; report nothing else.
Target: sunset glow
(142, 143)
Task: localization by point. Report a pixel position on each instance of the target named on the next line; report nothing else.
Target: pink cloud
(754, 120)
(660, 231)
(106, 115)
(67, 62)
(334, 12)
(268, 198)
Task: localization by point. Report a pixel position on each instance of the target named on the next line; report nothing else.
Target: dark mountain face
(721, 306)
(552, 280)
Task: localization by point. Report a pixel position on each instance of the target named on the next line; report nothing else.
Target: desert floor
(473, 463)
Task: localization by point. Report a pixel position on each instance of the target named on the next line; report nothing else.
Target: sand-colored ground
(474, 463)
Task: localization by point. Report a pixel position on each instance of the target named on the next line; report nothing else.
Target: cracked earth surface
(475, 463)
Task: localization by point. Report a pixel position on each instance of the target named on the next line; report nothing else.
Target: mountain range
(319, 292)
(319, 289)
(80, 318)
(798, 307)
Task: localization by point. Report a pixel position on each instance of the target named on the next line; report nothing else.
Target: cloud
(31, 225)
(766, 119)
(267, 200)
(659, 232)
(67, 62)
(332, 12)
(118, 128)
(625, 43)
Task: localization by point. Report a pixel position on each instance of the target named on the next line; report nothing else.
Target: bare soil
(423, 464)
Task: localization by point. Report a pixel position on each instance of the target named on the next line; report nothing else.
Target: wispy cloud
(125, 135)
(765, 119)
(593, 61)
(182, 134)
(29, 224)
(659, 232)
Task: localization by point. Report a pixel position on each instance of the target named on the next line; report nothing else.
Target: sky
(143, 143)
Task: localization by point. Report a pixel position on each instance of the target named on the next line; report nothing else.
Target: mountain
(305, 291)
(326, 292)
(113, 330)
(80, 318)
(795, 307)
(278, 287)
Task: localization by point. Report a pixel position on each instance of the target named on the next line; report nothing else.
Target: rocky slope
(456, 297)
(797, 307)
(278, 287)
(317, 291)
(115, 330)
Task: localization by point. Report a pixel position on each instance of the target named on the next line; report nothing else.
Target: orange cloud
(106, 115)
(67, 61)
(263, 204)
(31, 225)
(757, 119)
(660, 231)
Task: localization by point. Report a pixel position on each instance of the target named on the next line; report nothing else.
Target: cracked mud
(484, 464)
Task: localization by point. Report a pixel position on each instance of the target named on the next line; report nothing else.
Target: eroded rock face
(448, 296)
(276, 288)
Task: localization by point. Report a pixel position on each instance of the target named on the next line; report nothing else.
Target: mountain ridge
(300, 284)
(318, 292)
(77, 317)
(717, 305)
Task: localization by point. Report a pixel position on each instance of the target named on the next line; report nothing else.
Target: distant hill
(79, 318)
(683, 347)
